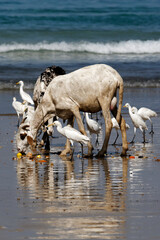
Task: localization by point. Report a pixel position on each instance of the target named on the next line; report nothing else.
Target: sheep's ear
(26, 127)
(30, 140)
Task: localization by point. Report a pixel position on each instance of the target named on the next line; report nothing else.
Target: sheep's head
(50, 73)
(23, 138)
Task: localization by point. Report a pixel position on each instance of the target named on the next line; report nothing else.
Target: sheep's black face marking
(50, 73)
(22, 136)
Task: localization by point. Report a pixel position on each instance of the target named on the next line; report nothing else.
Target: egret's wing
(93, 125)
(27, 97)
(146, 112)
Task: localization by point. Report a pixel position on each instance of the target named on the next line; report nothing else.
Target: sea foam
(123, 47)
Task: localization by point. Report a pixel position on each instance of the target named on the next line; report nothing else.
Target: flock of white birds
(138, 118)
(21, 107)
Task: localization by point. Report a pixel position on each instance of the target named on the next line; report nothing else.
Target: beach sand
(78, 198)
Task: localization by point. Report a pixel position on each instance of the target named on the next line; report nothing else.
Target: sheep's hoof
(100, 154)
(124, 153)
(88, 155)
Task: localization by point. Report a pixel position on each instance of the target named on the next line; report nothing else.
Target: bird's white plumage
(137, 120)
(127, 126)
(92, 125)
(25, 96)
(146, 114)
(115, 124)
(71, 133)
(18, 106)
(117, 127)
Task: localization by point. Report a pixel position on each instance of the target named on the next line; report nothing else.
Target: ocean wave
(123, 47)
(154, 83)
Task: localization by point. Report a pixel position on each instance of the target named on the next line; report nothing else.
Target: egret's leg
(97, 142)
(96, 116)
(144, 139)
(134, 135)
(114, 143)
(151, 132)
(82, 149)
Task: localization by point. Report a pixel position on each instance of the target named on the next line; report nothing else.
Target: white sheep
(89, 89)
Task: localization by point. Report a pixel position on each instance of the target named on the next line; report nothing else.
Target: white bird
(137, 121)
(146, 114)
(117, 127)
(25, 96)
(71, 134)
(19, 107)
(92, 125)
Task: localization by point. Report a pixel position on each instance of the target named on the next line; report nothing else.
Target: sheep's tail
(118, 117)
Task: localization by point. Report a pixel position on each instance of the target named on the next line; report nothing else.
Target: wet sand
(79, 198)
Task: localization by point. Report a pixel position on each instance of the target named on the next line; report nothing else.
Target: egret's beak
(17, 83)
(124, 106)
(52, 124)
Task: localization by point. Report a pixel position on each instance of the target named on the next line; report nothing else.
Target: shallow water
(79, 198)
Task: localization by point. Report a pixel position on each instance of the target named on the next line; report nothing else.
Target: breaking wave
(129, 83)
(123, 47)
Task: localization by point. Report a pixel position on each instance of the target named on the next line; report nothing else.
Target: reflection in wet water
(79, 195)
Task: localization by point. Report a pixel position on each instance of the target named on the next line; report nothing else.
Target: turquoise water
(37, 34)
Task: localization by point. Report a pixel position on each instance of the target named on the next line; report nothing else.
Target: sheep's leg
(47, 142)
(82, 129)
(105, 105)
(123, 132)
(68, 144)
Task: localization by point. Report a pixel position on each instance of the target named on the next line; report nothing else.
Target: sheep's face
(21, 138)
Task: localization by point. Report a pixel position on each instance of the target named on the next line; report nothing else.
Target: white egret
(19, 107)
(137, 121)
(117, 127)
(71, 134)
(146, 114)
(25, 96)
(92, 125)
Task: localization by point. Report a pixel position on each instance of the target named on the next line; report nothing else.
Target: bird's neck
(130, 110)
(60, 129)
(87, 116)
(21, 88)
